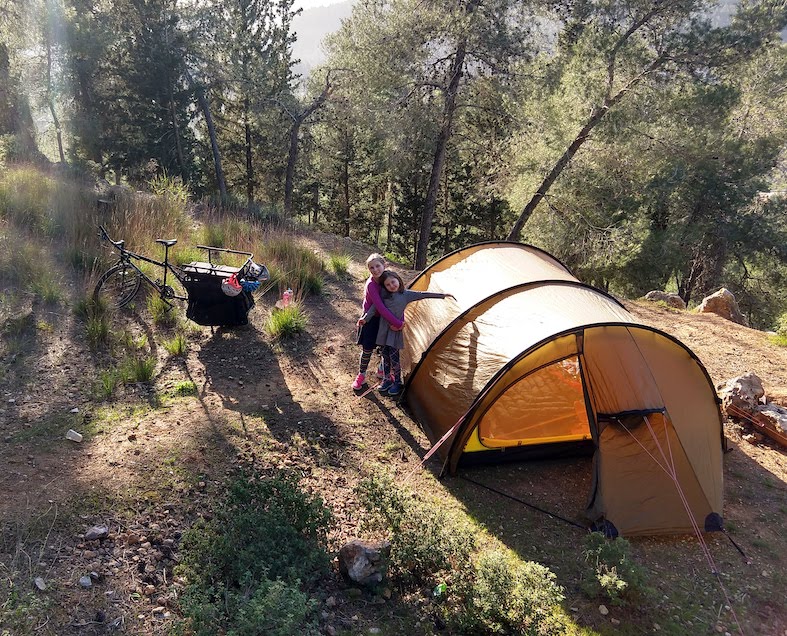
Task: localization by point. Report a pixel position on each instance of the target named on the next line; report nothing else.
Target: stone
(85, 581)
(722, 303)
(364, 563)
(96, 532)
(771, 419)
(40, 583)
(670, 299)
(742, 393)
(602, 609)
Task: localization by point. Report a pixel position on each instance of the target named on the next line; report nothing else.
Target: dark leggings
(391, 364)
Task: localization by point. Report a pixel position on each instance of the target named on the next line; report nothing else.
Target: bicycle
(217, 295)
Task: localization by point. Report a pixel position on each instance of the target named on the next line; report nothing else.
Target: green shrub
(265, 529)
(286, 322)
(297, 267)
(97, 330)
(178, 345)
(612, 572)
(780, 327)
(427, 543)
(505, 595)
(214, 235)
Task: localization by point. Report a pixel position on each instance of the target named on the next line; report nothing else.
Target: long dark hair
(389, 274)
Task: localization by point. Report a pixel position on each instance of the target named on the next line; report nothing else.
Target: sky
(310, 4)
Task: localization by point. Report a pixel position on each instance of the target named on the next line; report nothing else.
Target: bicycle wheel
(118, 285)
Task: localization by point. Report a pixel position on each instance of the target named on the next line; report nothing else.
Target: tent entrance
(546, 406)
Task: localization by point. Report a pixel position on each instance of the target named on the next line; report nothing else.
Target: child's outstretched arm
(412, 296)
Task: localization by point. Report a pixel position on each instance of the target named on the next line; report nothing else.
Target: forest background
(642, 143)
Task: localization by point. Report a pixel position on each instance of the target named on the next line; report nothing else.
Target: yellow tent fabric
(529, 360)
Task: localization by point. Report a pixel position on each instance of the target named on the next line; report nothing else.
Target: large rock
(741, 394)
(723, 304)
(771, 420)
(672, 300)
(363, 562)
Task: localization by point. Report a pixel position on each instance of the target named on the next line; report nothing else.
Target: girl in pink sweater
(367, 332)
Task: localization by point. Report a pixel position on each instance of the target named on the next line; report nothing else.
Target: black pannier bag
(208, 304)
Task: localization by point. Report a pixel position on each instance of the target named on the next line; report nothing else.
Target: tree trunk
(214, 146)
(292, 157)
(289, 174)
(346, 184)
(248, 150)
(178, 146)
(438, 163)
(572, 149)
(50, 100)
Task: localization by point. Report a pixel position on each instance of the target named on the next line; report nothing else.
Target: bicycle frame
(126, 256)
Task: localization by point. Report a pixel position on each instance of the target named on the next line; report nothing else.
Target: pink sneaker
(359, 382)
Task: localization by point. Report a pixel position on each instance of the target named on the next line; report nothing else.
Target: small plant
(135, 369)
(178, 345)
(184, 389)
(339, 264)
(97, 330)
(108, 380)
(214, 234)
(427, 543)
(505, 595)
(130, 342)
(286, 322)
(161, 311)
(612, 571)
(246, 567)
(780, 338)
(47, 289)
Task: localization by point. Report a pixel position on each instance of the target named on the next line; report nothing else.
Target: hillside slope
(152, 461)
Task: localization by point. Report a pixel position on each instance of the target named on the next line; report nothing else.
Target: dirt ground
(152, 467)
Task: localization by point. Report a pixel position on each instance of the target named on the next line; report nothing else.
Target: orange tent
(531, 362)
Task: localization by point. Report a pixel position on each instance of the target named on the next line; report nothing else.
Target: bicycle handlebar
(103, 234)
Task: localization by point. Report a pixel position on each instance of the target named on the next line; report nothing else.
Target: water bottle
(286, 296)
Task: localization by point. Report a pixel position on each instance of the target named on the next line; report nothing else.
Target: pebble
(603, 610)
(39, 583)
(85, 581)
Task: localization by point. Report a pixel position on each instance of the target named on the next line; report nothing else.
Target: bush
(486, 592)
(246, 566)
(135, 369)
(507, 596)
(427, 543)
(612, 572)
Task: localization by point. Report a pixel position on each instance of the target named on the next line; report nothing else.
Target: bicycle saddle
(167, 242)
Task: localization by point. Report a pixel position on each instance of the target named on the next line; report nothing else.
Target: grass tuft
(286, 322)
(339, 264)
(178, 345)
(162, 312)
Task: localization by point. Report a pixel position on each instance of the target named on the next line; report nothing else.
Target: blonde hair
(375, 257)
